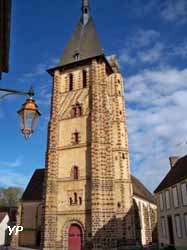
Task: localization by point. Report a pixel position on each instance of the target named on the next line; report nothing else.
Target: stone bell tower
(88, 194)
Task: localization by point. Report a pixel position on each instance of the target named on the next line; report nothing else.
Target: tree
(9, 197)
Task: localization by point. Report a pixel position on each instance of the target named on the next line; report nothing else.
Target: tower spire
(85, 11)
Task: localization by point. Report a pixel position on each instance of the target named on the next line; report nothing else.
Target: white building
(172, 205)
(4, 220)
(145, 214)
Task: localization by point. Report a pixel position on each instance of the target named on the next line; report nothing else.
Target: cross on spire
(85, 11)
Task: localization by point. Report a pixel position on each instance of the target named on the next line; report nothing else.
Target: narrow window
(76, 110)
(79, 110)
(80, 200)
(184, 193)
(175, 197)
(75, 198)
(70, 201)
(163, 226)
(167, 200)
(70, 82)
(75, 173)
(178, 226)
(76, 138)
(123, 156)
(161, 202)
(119, 204)
(84, 78)
(185, 223)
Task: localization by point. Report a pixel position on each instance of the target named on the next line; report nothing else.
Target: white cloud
(11, 164)
(142, 47)
(40, 69)
(127, 58)
(157, 122)
(44, 95)
(174, 11)
(181, 50)
(146, 47)
(12, 179)
(153, 54)
(144, 38)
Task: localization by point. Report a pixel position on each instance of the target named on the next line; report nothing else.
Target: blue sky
(150, 39)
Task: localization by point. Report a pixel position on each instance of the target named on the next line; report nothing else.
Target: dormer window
(77, 57)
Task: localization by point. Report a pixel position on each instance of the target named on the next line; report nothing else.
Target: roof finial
(85, 11)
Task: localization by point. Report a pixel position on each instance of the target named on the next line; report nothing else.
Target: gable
(175, 175)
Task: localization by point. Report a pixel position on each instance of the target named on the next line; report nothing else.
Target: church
(86, 198)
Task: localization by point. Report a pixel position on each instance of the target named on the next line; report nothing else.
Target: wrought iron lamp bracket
(9, 92)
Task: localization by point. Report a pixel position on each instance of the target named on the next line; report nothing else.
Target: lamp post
(28, 113)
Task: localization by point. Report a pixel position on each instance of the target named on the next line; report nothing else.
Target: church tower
(88, 191)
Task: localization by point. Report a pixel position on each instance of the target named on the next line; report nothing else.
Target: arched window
(75, 173)
(79, 110)
(119, 204)
(76, 110)
(75, 198)
(70, 82)
(80, 201)
(84, 78)
(76, 138)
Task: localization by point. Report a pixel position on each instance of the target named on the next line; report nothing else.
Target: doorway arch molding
(65, 232)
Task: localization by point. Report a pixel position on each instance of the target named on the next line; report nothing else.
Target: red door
(75, 238)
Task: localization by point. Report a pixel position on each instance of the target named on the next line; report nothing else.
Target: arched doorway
(74, 238)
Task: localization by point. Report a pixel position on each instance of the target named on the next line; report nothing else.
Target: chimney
(173, 160)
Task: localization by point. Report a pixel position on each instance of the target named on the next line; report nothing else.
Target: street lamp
(28, 113)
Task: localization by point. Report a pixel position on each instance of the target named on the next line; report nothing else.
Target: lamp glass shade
(29, 115)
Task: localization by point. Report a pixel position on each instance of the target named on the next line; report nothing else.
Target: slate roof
(141, 191)
(34, 190)
(175, 175)
(11, 211)
(2, 216)
(84, 41)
